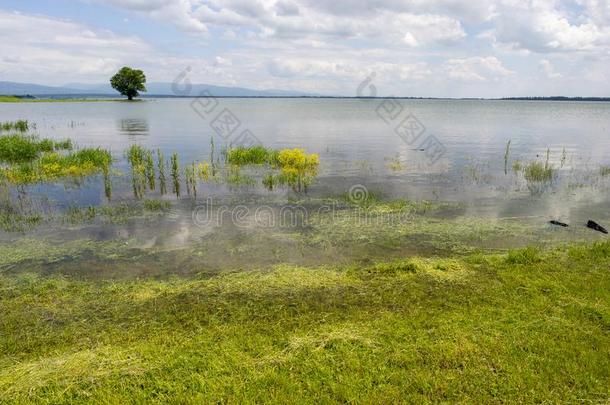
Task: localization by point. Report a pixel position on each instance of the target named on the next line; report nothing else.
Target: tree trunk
(130, 97)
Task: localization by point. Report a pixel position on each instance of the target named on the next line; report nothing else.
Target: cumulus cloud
(546, 67)
(551, 26)
(476, 69)
(416, 47)
(40, 47)
(389, 21)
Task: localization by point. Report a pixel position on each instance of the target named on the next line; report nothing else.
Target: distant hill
(165, 89)
(154, 89)
(21, 89)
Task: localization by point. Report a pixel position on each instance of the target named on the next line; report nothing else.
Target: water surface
(358, 145)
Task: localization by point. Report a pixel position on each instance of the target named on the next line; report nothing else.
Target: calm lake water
(359, 142)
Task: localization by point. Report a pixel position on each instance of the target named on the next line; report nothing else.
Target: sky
(421, 48)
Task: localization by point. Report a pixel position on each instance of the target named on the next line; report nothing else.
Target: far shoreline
(65, 98)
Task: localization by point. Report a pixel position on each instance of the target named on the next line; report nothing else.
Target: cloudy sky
(454, 48)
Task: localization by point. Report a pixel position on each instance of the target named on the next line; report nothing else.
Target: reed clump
(18, 148)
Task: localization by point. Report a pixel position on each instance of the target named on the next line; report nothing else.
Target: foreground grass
(527, 326)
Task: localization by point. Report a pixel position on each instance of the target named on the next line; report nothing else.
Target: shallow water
(358, 145)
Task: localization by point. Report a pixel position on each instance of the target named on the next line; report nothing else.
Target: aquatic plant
(77, 215)
(135, 155)
(191, 179)
(604, 171)
(215, 163)
(298, 169)
(161, 169)
(395, 164)
(564, 157)
(137, 158)
(107, 183)
(19, 222)
(149, 169)
(270, 181)
(19, 212)
(297, 159)
(23, 148)
(156, 205)
(19, 148)
(175, 168)
(255, 155)
(506, 156)
(536, 172)
(205, 171)
(19, 125)
(517, 166)
(51, 166)
(235, 177)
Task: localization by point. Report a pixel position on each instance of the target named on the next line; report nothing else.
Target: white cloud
(38, 48)
(416, 47)
(549, 26)
(388, 21)
(547, 68)
(178, 12)
(478, 69)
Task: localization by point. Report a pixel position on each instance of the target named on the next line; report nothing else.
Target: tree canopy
(129, 82)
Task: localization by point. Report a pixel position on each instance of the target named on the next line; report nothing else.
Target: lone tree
(128, 82)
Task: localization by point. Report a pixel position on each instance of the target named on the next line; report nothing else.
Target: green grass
(157, 205)
(477, 329)
(24, 148)
(52, 166)
(255, 155)
(19, 125)
(14, 220)
(537, 172)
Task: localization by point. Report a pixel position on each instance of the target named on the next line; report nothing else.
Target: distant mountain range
(154, 89)
(160, 89)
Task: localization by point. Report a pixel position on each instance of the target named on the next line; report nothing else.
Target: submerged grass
(475, 329)
(52, 166)
(175, 170)
(19, 126)
(297, 169)
(604, 171)
(537, 172)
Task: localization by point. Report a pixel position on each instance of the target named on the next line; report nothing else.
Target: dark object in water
(596, 227)
(558, 223)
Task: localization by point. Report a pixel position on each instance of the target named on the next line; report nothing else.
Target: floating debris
(558, 223)
(596, 227)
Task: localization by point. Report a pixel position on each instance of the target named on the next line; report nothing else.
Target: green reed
(161, 168)
(506, 156)
(175, 174)
(149, 169)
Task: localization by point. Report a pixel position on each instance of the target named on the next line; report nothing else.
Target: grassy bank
(529, 326)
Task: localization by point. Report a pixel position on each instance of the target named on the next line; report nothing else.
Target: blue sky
(453, 48)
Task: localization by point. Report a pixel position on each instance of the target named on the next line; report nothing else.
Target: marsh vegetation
(478, 328)
(394, 295)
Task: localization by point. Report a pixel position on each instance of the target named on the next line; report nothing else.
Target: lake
(452, 152)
